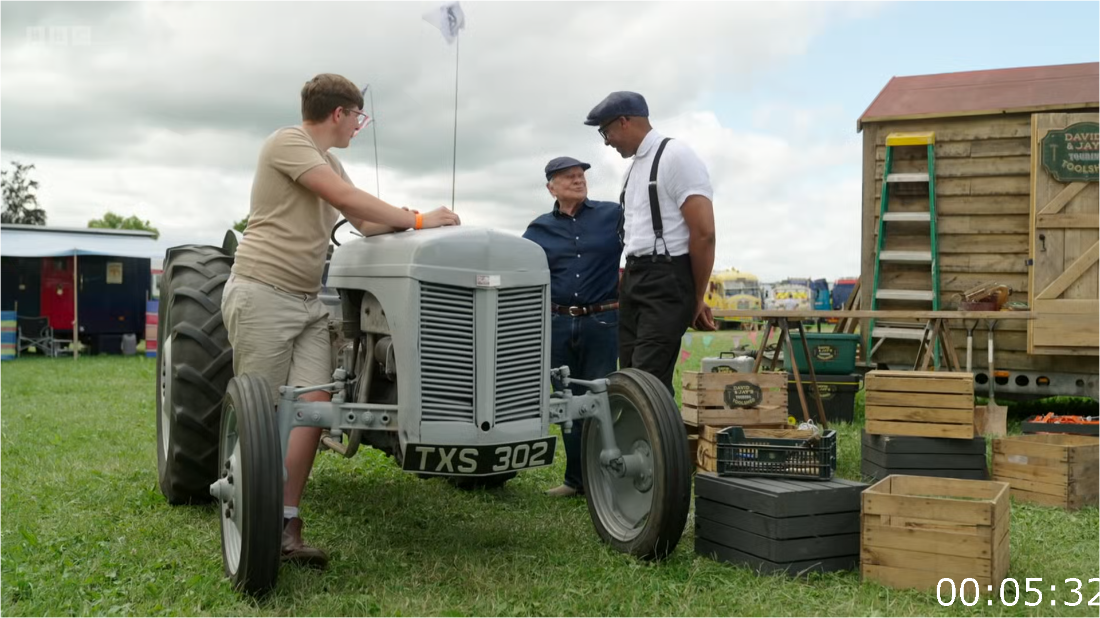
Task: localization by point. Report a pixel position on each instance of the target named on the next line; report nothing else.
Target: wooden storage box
(917, 530)
(920, 403)
(726, 399)
(1051, 469)
(706, 442)
(778, 525)
(913, 456)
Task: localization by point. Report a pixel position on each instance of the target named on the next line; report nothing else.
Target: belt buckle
(579, 311)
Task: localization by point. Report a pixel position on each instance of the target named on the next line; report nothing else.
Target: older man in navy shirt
(583, 248)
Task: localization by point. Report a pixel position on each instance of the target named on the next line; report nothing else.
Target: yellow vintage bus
(730, 290)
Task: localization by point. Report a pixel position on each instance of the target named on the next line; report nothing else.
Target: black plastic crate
(810, 458)
(838, 396)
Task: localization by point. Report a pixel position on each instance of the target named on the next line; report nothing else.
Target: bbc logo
(59, 36)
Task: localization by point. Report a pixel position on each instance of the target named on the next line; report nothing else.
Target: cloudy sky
(159, 110)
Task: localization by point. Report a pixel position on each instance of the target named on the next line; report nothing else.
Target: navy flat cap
(561, 163)
(617, 104)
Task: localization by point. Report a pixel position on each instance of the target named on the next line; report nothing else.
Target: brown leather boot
(295, 550)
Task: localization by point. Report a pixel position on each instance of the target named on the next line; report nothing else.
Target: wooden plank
(947, 206)
(961, 243)
(932, 384)
(931, 541)
(923, 561)
(988, 186)
(920, 400)
(902, 578)
(690, 415)
(1020, 146)
(1064, 306)
(964, 167)
(1038, 487)
(953, 512)
(942, 150)
(921, 375)
(930, 430)
(991, 264)
(1062, 199)
(1068, 330)
(920, 486)
(1020, 447)
(747, 417)
(1071, 274)
(964, 224)
(896, 278)
(1007, 472)
(919, 415)
(1039, 498)
(1075, 221)
(700, 381)
(958, 129)
(715, 398)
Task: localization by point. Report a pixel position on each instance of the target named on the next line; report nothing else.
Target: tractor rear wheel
(194, 365)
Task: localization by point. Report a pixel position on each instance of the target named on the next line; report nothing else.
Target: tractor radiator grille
(446, 353)
(520, 372)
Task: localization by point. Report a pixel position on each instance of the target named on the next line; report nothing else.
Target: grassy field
(86, 531)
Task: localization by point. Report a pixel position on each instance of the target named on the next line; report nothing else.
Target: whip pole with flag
(449, 18)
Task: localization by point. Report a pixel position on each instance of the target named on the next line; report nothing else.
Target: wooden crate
(931, 404)
(726, 399)
(788, 526)
(1051, 469)
(916, 530)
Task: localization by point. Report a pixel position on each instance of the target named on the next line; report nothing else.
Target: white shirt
(681, 174)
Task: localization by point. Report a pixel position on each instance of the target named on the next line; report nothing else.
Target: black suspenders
(654, 206)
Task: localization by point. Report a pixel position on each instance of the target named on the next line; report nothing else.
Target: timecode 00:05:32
(1010, 592)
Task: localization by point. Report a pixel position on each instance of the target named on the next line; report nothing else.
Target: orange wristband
(419, 221)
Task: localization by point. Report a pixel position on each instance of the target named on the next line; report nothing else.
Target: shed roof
(998, 91)
(41, 241)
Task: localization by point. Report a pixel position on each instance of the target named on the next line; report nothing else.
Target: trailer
(1016, 202)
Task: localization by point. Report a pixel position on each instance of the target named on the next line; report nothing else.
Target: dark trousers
(588, 345)
(657, 305)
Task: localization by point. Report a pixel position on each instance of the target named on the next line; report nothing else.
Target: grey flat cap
(617, 104)
(561, 163)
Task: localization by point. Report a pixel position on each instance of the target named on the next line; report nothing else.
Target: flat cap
(561, 163)
(617, 104)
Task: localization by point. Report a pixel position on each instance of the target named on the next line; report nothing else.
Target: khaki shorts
(278, 335)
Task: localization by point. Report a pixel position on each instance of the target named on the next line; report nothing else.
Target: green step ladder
(914, 332)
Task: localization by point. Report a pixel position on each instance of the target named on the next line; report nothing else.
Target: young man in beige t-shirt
(276, 324)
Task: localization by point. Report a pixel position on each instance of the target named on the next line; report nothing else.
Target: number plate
(479, 459)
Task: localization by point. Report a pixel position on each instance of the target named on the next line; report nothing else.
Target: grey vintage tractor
(441, 348)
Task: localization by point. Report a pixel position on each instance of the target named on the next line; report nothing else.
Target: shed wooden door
(1065, 247)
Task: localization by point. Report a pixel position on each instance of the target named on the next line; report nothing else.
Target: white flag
(449, 18)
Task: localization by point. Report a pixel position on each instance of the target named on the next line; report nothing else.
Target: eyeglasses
(362, 120)
(603, 129)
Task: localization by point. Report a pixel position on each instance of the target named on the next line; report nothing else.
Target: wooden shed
(1003, 215)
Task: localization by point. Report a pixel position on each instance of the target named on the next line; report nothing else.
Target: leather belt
(577, 311)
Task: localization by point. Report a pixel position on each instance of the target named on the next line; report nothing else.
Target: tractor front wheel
(642, 512)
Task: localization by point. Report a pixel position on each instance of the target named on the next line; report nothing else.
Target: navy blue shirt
(583, 252)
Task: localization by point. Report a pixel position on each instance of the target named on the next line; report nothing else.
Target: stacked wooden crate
(921, 423)
(1051, 469)
(714, 401)
(930, 404)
